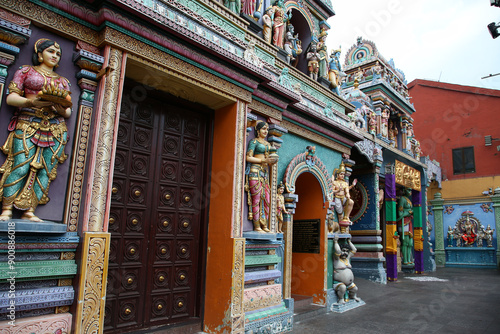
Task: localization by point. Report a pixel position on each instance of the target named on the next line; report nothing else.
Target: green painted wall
(294, 145)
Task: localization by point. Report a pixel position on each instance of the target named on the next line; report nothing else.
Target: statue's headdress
(42, 40)
(339, 170)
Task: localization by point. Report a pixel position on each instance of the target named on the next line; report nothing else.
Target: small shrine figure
(468, 236)
(488, 236)
(409, 136)
(416, 149)
(323, 54)
(313, 60)
(450, 237)
(280, 206)
(333, 225)
(384, 127)
(293, 46)
(267, 20)
(377, 71)
(359, 75)
(248, 7)
(457, 235)
(260, 155)
(233, 5)
(335, 73)
(310, 153)
(343, 278)
(405, 219)
(393, 134)
(481, 235)
(372, 123)
(279, 20)
(38, 132)
(343, 202)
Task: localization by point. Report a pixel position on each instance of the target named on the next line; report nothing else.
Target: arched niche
(302, 164)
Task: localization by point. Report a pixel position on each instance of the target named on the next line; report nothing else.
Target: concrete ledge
(26, 226)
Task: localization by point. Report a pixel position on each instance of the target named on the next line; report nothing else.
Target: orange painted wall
(453, 116)
(217, 310)
(308, 270)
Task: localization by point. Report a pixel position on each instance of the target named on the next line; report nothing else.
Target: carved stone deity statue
(405, 220)
(279, 23)
(280, 206)
(260, 155)
(293, 46)
(343, 278)
(488, 236)
(267, 20)
(384, 126)
(313, 60)
(38, 133)
(343, 202)
(335, 73)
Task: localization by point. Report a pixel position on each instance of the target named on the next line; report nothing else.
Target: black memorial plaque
(306, 236)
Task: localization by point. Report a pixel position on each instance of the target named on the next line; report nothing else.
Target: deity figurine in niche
(260, 155)
(38, 133)
(293, 46)
(405, 219)
(335, 73)
(280, 19)
(343, 202)
(267, 19)
(280, 206)
(323, 54)
(393, 134)
(488, 236)
(384, 127)
(312, 57)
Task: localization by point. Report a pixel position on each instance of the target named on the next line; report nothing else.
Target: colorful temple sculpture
(390, 211)
(196, 166)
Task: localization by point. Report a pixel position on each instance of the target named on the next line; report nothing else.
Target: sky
(440, 40)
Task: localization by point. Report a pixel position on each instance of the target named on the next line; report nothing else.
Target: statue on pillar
(260, 154)
(38, 133)
(313, 59)
(343, 202)
(405, 219)
(280, 206)
(343, 278)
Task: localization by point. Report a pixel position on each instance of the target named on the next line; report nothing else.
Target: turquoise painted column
(438, 208)
(496, 207)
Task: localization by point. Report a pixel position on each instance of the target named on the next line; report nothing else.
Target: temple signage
(407, 176)
(306, 236)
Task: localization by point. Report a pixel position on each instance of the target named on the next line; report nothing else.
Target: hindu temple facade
(192, 151)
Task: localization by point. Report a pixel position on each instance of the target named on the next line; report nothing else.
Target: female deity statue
(488, 236)
(280, 206)
(372, 123)
(260, 155)
(384, 128)
(323, 55)
(268, 24)
(248, 7)
(279, 20)
(393, 134)
(405, 216)
(38, 133)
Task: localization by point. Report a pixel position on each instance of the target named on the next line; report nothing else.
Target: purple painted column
(418, 237)
(391, 246)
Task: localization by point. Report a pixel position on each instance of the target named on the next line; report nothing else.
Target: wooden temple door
(156, 215)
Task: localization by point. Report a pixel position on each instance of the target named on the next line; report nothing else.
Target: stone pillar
(496, 207)
(93, 270)
(437, 207)
(418, 236)
(391, 247)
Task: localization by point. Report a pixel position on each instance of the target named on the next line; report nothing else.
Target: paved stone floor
(449, 300)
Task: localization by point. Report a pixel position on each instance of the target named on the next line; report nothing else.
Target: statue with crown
(343, 203)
